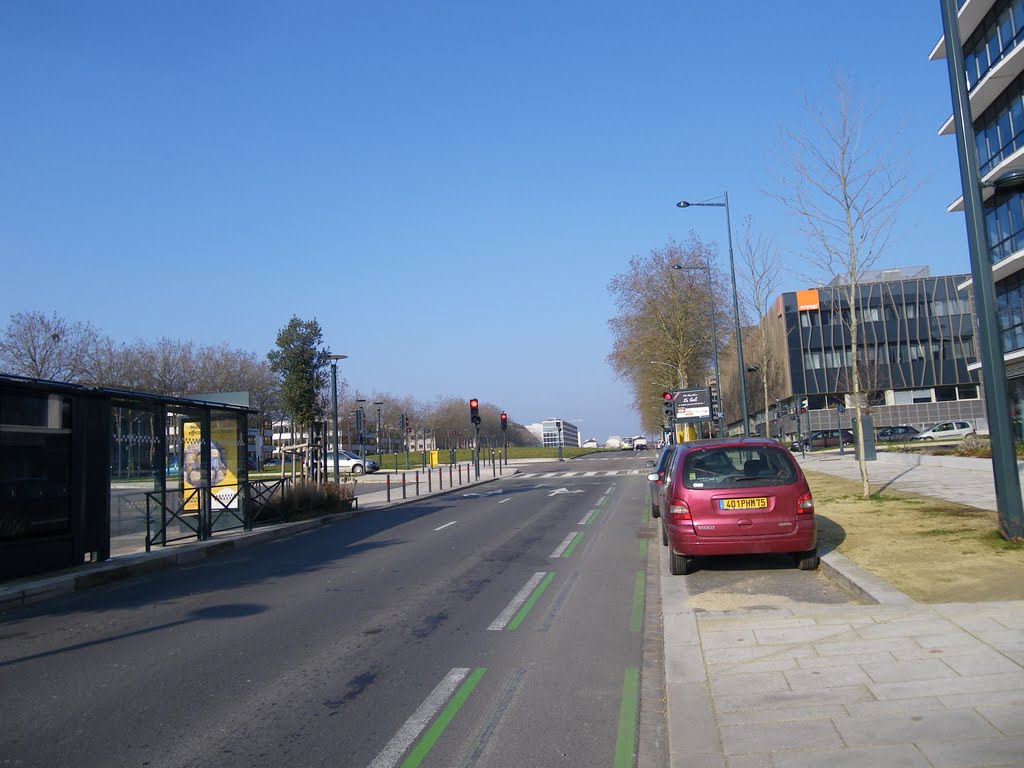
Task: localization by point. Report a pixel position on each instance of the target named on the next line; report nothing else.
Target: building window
(812, 360)
(994, 38)
(1010, 308)
(967, 392)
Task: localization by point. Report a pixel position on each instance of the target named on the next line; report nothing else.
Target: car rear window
(737, 467)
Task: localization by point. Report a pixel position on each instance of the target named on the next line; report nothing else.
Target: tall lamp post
(360, 425)
(720, 415)
(379, 404)
(334, 409)
(735, 307)
(993, 368)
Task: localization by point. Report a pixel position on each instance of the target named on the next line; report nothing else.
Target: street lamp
(379, 404)
(735, 306)
(997, 406)
(714, 343)
(334, 409)
(360, 426)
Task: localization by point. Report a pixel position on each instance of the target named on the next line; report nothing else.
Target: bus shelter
(88, 472)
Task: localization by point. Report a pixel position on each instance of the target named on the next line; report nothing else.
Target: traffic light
(504, 421)
(669, 405)
(401, 423)
(803, 405)
(474, 410)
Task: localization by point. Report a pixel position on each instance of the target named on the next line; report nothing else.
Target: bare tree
(846, 192)
(662, 329)
(760, 273)
(46, 347)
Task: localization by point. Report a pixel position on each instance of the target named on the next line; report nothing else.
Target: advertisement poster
(223, 456)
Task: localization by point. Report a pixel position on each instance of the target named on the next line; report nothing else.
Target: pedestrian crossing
(594, 473)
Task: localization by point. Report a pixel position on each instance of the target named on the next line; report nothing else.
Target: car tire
(654, 511)
(679, 565)
(664, 535)
(357, 469)
(807, 561)
(927, 438)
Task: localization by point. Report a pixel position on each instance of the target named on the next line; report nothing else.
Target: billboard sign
(693, 403)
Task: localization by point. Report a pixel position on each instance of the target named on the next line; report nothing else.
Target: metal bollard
(403, 485)
(440, 478)
(449, 475)
(460, 474)
(388, 481)
(417, 482)
(430, 481)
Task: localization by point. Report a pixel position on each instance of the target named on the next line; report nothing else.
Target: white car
(946, 430)
(350, 463)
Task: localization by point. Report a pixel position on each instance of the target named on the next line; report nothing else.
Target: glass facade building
(992, 37)
(915, 350)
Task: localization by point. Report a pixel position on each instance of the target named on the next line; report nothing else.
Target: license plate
(755, 503)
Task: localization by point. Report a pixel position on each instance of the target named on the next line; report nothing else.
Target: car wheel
(357, 469)
(654, 511)
(927, 438)
(664, 535)
(679, 565)
(807, 561)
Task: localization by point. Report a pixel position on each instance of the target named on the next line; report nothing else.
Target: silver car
(351, 464)
(946, 430)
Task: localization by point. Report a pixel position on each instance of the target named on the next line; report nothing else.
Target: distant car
(946, 430)
(350, 463)
(250, 463)
(895, 434)
(736, 496)
(657, 467)
(824, 438)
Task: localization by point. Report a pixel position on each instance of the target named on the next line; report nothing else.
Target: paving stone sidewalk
(890, 684)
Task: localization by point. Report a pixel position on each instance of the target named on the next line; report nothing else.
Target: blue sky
(447, 187)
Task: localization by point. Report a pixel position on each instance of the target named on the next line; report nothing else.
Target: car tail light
(805, 506)
(679, 512)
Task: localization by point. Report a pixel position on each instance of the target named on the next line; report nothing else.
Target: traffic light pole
(476, 452)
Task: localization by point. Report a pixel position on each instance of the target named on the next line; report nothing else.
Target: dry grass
(933, 550)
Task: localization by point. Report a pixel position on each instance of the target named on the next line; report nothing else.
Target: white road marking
(586, 517)
(557, 491)
(453, 522)
(589, 474)
(510, 610)
(549, 474)
(570, 474)
(413, 727)
(504, 500)
(564, 545)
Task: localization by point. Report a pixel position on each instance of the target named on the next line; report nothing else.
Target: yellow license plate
(756, 503)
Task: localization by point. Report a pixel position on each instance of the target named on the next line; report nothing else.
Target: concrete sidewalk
(892, 683)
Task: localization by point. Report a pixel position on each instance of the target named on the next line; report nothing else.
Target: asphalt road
(497, 626)
(501, 626)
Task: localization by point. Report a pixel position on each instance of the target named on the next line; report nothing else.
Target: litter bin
(433, 458)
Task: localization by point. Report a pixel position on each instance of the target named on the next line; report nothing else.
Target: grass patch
(932, 549)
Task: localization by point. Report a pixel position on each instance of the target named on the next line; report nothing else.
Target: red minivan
(736, 496)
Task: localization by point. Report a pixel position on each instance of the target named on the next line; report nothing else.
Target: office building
(992, 36)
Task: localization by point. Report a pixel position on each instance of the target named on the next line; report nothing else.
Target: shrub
(305, 500)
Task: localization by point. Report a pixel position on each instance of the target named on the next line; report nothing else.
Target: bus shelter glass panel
(35, 465)
(180, 510)
(228, 454)
(135, 470)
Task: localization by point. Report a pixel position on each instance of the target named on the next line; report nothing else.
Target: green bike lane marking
(636, 621)
(534, 596)
(430, 738)
(572, 545)
(626, 739)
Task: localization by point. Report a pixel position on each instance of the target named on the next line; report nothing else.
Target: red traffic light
(504, 420)
(474, 403)
(666, 395)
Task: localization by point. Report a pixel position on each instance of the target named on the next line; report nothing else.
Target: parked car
(736, 496)
(895, 434)
(350, 463)
(946, 430)
(657, 467)
(824, 438)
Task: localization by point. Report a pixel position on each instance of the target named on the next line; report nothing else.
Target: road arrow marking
(564, 490)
